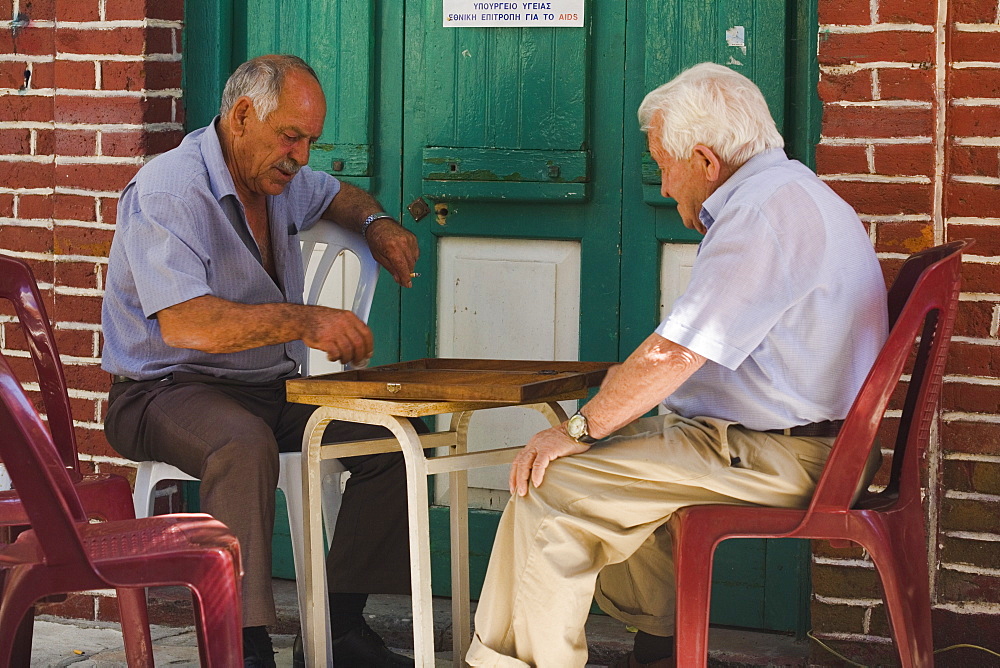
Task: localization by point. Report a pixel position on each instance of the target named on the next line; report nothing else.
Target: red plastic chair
(63, 552)
(106, 497)
(890, 524)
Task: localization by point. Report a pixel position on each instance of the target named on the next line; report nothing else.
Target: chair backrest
(18, 285)
(334, 240)
(42, 482)
(923, 301)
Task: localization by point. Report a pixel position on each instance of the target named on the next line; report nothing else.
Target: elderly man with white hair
(757, 364)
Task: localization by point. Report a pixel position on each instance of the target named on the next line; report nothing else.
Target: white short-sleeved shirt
(182, 233)
(786, 300)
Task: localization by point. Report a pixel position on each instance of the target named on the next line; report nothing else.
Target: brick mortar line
(971, 496)
(915, 140)
(838, 140)
(970, 570)
(876, 178)
(881, 104)
(978, 297)
(51, 257)
(95, 93)
(858, 29)
(851, 602)
(975, 102)
(969, 608)
(976, 27)
(117, 57)
(970, 64)
(852, 67)
(967, 220)
(104, 459)
(977, 418)
(970, 457)
(96, 127)
(98, 160)
(974, 535)
(834, 561)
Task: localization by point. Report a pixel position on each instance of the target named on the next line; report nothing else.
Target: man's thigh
(185, 423)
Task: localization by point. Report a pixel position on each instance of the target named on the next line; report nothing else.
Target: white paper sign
(521, 14)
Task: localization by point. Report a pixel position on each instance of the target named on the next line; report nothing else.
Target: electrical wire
(861, 665)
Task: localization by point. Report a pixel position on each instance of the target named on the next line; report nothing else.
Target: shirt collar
(219, 177)
(716, 201)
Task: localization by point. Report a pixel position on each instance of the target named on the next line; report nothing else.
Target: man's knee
(250, 452)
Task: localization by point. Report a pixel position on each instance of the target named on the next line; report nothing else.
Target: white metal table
(394, 414)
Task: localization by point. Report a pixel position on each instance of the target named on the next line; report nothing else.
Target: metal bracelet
(371, 219)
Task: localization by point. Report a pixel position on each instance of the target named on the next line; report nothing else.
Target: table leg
(458, 491)
(551, 410)
(315, 611)
(419, 529)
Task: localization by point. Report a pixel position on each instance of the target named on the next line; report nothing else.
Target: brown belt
(826, 428)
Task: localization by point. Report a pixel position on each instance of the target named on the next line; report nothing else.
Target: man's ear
(239, 115)
(710, 162)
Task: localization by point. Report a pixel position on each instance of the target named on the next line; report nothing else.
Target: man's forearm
(646, 378)
(351, 206)
(214, 325)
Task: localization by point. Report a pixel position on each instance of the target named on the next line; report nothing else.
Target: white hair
(711, 105)
(261, 79)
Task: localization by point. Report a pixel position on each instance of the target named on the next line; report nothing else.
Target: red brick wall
(89, 90)
(911, 138)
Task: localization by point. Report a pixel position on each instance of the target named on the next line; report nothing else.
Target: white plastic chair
(336, 240)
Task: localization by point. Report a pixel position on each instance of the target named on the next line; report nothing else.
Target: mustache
(289, 166)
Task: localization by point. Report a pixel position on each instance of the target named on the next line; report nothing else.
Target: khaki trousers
(595, 528)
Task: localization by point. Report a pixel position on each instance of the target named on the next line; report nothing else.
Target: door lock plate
(418, 209)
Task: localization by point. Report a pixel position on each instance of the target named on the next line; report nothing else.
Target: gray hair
(711, 105)
(261, 79)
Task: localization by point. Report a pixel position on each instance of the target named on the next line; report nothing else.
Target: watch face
(576, 426)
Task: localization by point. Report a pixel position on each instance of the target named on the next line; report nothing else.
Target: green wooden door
(515, 156)
(499, 142)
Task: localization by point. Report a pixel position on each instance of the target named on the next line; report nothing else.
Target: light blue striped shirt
(182, 233)
(786, 300)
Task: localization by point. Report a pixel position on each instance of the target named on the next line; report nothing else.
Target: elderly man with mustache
(203, 323)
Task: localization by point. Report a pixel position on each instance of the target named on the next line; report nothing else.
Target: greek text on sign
(522, 14)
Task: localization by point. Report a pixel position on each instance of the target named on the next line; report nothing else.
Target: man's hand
(340, 334)
(534, 458)
(395, 248)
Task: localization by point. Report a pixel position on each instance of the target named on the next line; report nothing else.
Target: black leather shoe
(363, 648)
(257, 649)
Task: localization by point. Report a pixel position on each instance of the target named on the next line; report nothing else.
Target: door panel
(497, 135)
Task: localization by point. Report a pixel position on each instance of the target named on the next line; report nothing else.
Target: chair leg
(693, 553)
(290, 483)
(21, 649)
(16, 628)
(135, 626)
(901, 562)
(218, 624)
(142, 497)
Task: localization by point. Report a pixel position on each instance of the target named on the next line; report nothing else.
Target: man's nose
(300, 152)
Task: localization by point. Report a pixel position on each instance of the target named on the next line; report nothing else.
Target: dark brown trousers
(228, 435)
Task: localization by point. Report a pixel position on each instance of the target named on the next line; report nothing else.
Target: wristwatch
(371, 219)
(576, 428)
